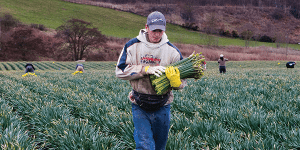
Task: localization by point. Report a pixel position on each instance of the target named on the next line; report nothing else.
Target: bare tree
(211, 24)
(8, 22)
(187, 10)
(211, 27)
(23, 44)
(247, 32)
(167, 5)
(78, 34)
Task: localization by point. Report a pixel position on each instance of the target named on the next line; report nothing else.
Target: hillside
(124, 21)
(270, 21)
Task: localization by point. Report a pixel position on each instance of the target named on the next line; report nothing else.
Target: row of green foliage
(55, 65)
(107, 65)
(110, 22)
(255, 105)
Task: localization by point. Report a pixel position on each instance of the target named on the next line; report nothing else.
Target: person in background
(221, 61)
(290, 64)
(29, 68)
(80, 67)
(142, 56)
(204, 65)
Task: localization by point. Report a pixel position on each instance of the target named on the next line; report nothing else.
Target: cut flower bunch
(28, 73)
(77, 72)
(190, 67)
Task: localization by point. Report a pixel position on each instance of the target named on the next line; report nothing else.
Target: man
(204, 65)
(290, 64)
(221, 61)
(142, 56)
(80, 67)
(29, 68)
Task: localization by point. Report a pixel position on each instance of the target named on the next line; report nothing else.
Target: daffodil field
(255, 105)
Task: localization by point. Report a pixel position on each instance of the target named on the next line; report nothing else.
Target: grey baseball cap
(156, 20)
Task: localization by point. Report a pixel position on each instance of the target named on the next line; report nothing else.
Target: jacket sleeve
(127, 68)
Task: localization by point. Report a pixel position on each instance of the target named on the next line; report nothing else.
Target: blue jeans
(151, 127)
(222, 69)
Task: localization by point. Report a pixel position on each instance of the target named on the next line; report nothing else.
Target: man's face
(155, 35)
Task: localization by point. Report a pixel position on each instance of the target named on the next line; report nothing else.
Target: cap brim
(160, 27)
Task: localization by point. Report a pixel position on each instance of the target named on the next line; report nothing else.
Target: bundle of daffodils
(77, 72)
(190, 67)
(28, 73)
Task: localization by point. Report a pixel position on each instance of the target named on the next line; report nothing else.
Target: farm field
(255, 105)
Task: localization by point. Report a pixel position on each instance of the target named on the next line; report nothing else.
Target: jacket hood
(143, 39)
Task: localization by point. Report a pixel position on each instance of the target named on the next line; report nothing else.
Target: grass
(53, 13)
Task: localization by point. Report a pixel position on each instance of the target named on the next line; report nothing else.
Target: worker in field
(222, 66)
(142, 56)
(29, 68)
(204, 65)
(79, 67)
(290, 64)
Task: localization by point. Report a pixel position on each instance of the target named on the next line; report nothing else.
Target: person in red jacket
(204, 65)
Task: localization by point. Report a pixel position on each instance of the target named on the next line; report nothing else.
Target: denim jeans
(222, 69)
(151, 127)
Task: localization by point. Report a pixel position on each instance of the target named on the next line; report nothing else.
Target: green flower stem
(189, 68)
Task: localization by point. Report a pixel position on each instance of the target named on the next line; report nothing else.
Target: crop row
(61, 110)
(247, 108)
(49, 65)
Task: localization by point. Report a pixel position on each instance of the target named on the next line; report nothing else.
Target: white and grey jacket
(139, 53)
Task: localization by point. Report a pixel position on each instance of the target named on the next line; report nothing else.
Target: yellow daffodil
(24, 75)
(77, 72)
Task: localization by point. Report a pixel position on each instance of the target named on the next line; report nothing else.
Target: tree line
(292, 5)
(72, 40)
(257, 3)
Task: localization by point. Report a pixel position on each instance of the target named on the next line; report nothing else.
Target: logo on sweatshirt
(149, 59)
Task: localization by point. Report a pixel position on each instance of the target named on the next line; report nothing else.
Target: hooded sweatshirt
(139, 53)
(222, 61)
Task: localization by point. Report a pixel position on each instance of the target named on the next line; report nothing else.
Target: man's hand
(173, 75)
(156, 70)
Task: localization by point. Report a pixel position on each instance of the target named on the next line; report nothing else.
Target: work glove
(173, 75)
(156, 70)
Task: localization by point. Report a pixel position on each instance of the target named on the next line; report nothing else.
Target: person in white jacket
(142, 56)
